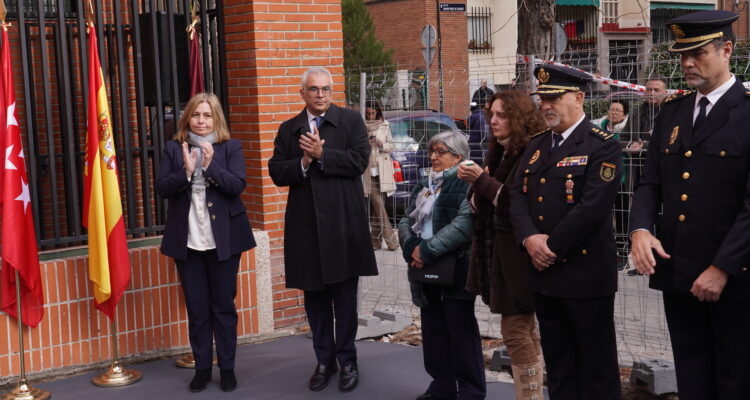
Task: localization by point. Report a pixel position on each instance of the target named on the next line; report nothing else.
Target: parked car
(411, 130)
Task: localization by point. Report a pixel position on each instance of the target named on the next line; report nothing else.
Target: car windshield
(412, 133)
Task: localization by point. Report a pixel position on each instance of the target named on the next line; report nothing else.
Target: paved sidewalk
(639, 313)
(274, 370)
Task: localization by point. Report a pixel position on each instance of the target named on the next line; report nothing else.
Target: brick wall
(151, 315)
(269, 45)
(398, 23)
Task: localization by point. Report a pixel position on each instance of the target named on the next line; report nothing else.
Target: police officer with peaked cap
(697, 250)
(561, 211)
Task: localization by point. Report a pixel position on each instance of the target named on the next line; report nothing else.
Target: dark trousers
(210, 286)
(711, 346)
(336, 301)
(452, 347)
(579, 347)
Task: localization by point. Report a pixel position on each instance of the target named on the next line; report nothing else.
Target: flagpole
(117, 375)
(23, 390)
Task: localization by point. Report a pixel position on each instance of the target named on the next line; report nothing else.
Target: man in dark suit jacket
(697, 171)
(320, 155)
(561, 205)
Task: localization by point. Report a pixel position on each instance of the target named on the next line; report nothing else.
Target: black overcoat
(703, 184)
(225, 177)
(326, 232)
(580, 231)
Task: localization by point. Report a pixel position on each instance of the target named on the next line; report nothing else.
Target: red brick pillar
(269, 44)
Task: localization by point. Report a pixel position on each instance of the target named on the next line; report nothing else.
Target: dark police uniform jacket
(568, 193)
(702, 184)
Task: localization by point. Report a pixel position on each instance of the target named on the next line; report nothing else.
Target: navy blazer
(701, 182)
(588, 164)
(225, 177)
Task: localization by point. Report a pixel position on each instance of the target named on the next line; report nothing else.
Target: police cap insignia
(697, 29)
(555, 80)
(542, 75)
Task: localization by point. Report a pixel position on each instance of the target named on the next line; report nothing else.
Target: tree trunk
(536, 23)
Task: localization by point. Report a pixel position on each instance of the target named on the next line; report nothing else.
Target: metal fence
(641, 327)
(143, 51)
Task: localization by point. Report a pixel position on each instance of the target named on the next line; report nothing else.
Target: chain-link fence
(409, 96)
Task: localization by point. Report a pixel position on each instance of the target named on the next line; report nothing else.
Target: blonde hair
(220, 123)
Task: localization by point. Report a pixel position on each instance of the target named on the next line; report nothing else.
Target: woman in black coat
(499, 270)
(202, 174)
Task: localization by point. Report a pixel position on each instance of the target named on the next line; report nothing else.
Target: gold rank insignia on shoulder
(604, 135)
(573, 161)
(534, 157)
(675, 133)
(607, 172)
(539, 133)
(678, 96)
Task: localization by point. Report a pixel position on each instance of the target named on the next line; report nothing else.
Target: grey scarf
(425, 201)
(195, 141)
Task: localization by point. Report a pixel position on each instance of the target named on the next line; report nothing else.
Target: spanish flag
(109, 262)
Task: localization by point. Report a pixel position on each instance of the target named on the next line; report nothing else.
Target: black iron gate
(145, 68)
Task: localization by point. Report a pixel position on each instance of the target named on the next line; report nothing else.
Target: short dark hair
(658, 77)
(718, 42)
(625, 105)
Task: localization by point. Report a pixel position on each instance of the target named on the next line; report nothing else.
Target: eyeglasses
(315, 90)
(439, 152)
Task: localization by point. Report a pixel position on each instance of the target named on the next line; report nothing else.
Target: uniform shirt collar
(570, 130)
(716, 94)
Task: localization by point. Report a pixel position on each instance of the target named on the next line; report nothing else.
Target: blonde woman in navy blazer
(202, 174)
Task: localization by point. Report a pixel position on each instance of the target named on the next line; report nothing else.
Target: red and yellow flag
(109, 261)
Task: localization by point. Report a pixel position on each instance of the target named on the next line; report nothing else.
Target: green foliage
(363, 52)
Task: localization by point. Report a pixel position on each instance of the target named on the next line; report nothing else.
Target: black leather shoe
(428, 396)
(228, 380)
(349, 378)
(200, 380)
(319, 378)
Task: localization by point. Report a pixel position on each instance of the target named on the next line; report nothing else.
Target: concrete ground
(278, 369)
(639, 314)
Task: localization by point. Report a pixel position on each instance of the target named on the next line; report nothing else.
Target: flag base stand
(116, 376)
(25, 392)
(186, 361)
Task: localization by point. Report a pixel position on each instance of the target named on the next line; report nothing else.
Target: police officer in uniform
(698, 250)
(561, 206)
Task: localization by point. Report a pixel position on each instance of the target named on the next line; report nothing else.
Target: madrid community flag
(18, 236)
(109, 262)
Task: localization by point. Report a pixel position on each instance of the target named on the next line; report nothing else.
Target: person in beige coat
(378, 178)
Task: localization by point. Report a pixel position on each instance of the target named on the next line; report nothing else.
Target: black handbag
(440, 272)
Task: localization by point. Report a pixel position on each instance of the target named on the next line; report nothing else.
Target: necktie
(556, 139)
(701, 118)
(318, 121)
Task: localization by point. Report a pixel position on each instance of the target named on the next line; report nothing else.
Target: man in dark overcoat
(320, 155)
(561, 203)
(697, 251)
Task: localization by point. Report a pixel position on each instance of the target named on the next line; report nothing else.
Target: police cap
(555, 80)
(696, 29)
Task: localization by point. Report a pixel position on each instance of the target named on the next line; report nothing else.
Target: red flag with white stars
(19, 252)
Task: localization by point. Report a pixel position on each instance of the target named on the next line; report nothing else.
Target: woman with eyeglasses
(438, 226)
(499, 271)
